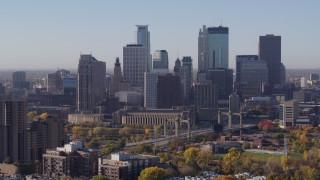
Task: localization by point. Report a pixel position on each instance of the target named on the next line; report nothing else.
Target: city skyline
(48, 35)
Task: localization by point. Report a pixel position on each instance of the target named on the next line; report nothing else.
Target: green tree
(191, 155)
(152, 173)
(99, 177)
(93, 144)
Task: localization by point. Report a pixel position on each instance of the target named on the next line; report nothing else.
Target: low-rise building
(71, 160)
(123, 166)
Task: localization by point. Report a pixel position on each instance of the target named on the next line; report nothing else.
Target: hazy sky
(52, 34)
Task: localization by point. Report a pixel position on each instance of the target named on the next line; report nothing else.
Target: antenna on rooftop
(221, 22)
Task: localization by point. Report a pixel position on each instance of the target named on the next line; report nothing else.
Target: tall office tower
(55, 81)
(213, 48)
(160, 60)
(13, 113)
(206, 95)
(234, 103)
(19, 80)
(135, 64)
(239, 60)
(117, 74)
(314, 77)
(177, 67)
(251, 75)
(224, 79)
(150, 88)
(270, 51)
(143, 38)
(91, 82)
(218, 45)
(186, 79)
(17, 77)
(203, 56)
(168, 91)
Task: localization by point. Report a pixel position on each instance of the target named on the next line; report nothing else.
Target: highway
(165, 140)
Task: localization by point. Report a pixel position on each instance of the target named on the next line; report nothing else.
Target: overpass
(165, 140)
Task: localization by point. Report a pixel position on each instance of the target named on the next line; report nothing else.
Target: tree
(99, 177)
(229, 159)
(152, 173)
(43, 116)
(191, 155)
(126, 131)
(144, 148)
(93, 144)
(265, 125)
(31, 115)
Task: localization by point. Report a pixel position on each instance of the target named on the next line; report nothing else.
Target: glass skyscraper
(213, 48)
(143, 38)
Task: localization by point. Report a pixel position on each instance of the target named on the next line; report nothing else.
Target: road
(165, 140)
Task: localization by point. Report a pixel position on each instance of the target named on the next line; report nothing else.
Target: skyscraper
(168, 91)
(218, 47)
(143, 38)
(91, 82)
(224, 79)
(13, 113)
(160, 60)
(203, 59)
(135, 64)
(270, 51)
(19, 80)
(117, 74)
(186, 79)
(150, 88)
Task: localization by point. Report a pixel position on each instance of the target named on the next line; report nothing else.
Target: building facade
(91, 87)
(168, 91)
(13, 119)
(135, 64)
(270, 51)
(160, 60)
(206, 95)
(143, 38)
(224, 79)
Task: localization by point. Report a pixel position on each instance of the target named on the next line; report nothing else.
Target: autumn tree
(265, 125)
(152, 173)
(191, 155)
(229, 159)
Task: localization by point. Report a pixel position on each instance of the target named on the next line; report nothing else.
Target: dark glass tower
(270, 51)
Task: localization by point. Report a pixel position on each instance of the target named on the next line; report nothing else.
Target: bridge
(165, 140)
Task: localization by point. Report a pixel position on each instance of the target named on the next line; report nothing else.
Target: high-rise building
(251, 75)
(213, 48)
(55, 81)
(150, 88)
(69, 84)
(43, 134)
(206, 95)
(135, 64)
(234, 103)
(19, 80)
(91, 82)
(177, 67)
(186, 79)
(239, 60)
(168, 91)
(270, 51)
(160, 60)
(224, 79)
(117, 73)
(117, 83)
(13, 113)
(143, 38)
(203, 56)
